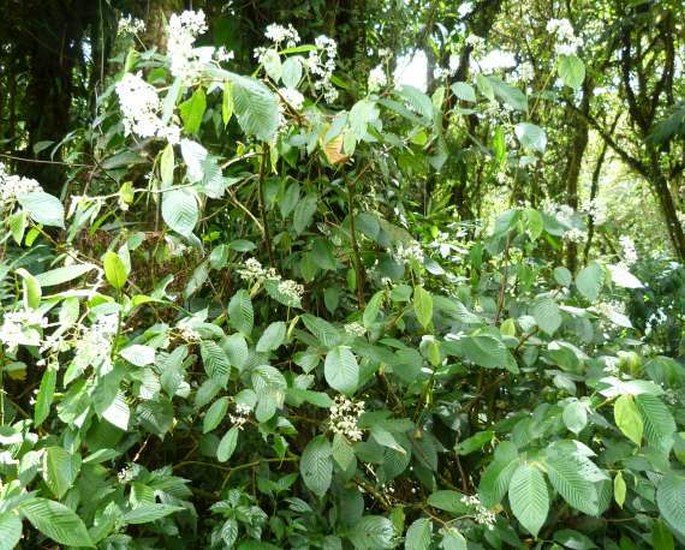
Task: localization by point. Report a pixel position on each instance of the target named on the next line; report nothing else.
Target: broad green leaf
(571, 70)
(215, 414)
(474, 443)
(193, 110)
(416, 100)
(620, 276)
(563, 276)
(464, 91)
(452, 539)
(292, 72)
(304, 212)
(567, 474)
(575, 416)
(255, 106)
(529, 498)
(62, 275)
(316, 465)
(628, 418)
(272, 64)
(531, 136)
(547, 315)
(138, 355)
(227, 444)
(57, 522)
(341, 370)
(494, 482)
(46, 394)
(59, 469)
(270, 386)
(327, 334)
(43, 208)
(194, 155)
(670, 497)
(272, 338)
(570, 538)
(147, 513)
(180, 210)
(385, 439)
(372, 533)
(662, 539)
(118, 412)
(423, 306)
(342, 451)
(115, 270)
(508, 94)
(215, 361)
(240, 312)
(419, 534)
(487, 351)
(18, 225)
(10, 530)
(31, 289)
(166, 166)
(227, 105)
(589, 281)
(620, 489)
(659, 426)
(449, 501)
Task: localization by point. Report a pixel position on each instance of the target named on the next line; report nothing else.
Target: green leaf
(115, 270)
(166, 166)
(316, 465)
(10, 530)
(147, 513)
(57, 522)
(508, 94)
(575, 416)
(194, 155)
(180, 210)
(46, 394)
(215, 361)
(568, 476)
(571, 70)
(18, 224)
(193, 110)
(547, 315)
(486, 351)
(304, 212)
(670, 497)
(62, 275)
(341, 370)
(423, 306)
(327, 334)
(620, 489)
(419, 534)
(138, 355)
(449, 501)
(662, 537)
(495, 479)
(60, 469)
(227, 445)
(272, 64)
(589, 281)
(292, 72)
(43, 208)
(342, 451)
(416, 100)
(563, 276)
(272, 338)
(215, 414)
(628, 418)
(240, 312)
(372, 533)
(464, 91)
(570, 538)
(529, 498)
(256, 107)
(620, 276)
(452, 539)
(474, 443)
(659, 426)
(531, 136)
(270, 386)
(31, 289)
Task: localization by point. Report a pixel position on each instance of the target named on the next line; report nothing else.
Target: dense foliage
(259, 319)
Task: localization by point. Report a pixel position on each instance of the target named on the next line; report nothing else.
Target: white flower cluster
(377, 79)
(252, 270)
(130, 25)
(241, 416)
(629, 253)
(222, 55)
(321, 63)
(278, 34)
(409, 253)
(12, 187)
(344, 418)
(187, 61)
(526, 71)
(483, 515)
(94, 347)
(611, 366)
(567, 41)
(465, 9)
(598, 209)
(140, 106)
(14, 323)
(355, 329)
(452, 66)
(657, 318)
(562, 212)
(475, 41)
(574, 235)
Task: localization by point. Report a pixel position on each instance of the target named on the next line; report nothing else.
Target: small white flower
(278, 33)
(377, 79)
(408, 253)
(344, 418)
(130, 25)
(294, 98)
(186, 61)
(355, 329)
(12, 187)
(629, 252)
